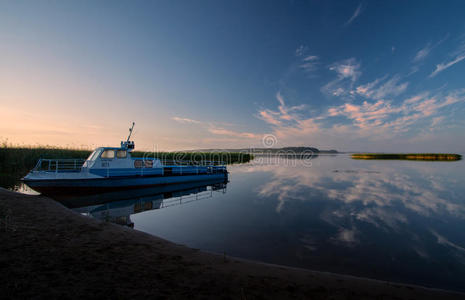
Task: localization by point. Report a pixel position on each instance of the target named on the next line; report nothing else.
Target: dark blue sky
(351, 75)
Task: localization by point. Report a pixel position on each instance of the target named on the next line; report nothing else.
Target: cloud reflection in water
(390, 209)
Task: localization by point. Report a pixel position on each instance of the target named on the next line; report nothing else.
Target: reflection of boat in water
(108, 168)
(118, 206)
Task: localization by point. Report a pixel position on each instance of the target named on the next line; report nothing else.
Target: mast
(128, 145)
(130, 131)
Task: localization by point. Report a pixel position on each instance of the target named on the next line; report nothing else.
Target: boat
(112, 168)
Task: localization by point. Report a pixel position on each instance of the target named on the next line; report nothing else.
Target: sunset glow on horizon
(351, 75)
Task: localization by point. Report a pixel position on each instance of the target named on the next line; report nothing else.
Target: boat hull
(83, 185)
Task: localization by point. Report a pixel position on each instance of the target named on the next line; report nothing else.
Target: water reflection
(373, 187)
(118, 206)
(388, 220)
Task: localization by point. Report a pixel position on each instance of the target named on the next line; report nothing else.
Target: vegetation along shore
(409, 156)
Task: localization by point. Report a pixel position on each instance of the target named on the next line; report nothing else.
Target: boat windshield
(93, 156)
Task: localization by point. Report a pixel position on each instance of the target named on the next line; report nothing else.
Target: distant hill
(283, 150)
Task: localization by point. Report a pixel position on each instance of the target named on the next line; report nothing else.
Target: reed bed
(21, 160)
(197, 157)
(409, 156)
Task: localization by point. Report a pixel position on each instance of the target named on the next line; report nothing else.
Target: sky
(345, 75)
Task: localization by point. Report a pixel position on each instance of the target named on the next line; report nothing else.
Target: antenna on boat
(130, 131)
(129, 145)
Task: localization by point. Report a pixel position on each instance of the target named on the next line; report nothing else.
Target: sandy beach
(50, 251)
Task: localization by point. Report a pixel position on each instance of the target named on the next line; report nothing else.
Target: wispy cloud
(219, 129)
(310, 58)
(416, 98)
(227, 132)
(356, 13)
(310, 63)
(348, 71)
(422, 53)
(185, 120)
(455, 57)
(436, 121)
(367, 114)
(348, 68)
(445, 242)
(284, 114)
(368, 89)
(378, 90)
(300, 50)
(442, 66)
(270, 117)
(287, 121)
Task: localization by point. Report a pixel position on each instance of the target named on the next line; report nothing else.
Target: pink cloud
(269, 117)
(374, 120)
(365, 115)
(436, 121)
(416, 98)
(185, 120)
(427, 107)
(286, 113)
(222, 131)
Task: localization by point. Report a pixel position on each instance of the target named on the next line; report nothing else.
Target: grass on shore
(409, 156)
(226, 157)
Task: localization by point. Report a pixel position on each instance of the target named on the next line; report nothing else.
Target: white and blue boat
(110, 168)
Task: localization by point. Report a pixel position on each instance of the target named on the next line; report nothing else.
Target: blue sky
(349, 75)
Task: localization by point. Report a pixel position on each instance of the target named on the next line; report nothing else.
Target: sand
(47, 250)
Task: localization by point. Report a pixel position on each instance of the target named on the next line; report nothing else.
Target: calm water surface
(392, 220)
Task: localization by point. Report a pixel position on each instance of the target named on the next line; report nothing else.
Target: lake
(392, 220)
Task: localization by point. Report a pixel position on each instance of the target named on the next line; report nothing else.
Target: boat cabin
(111, 157)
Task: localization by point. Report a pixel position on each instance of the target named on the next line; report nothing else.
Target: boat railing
(59, 165)
(75, 165)
(195, 196)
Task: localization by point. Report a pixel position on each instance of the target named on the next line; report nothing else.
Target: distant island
(283, 150)
(409, 156)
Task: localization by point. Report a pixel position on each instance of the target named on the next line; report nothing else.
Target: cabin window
(121, 153)
(138, 164)
(109, 154)
(93, 155)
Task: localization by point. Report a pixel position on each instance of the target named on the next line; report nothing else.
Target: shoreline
(49, 250)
